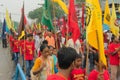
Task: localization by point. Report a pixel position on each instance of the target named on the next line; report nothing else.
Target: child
(78, 73)
(29, 54)
(16, 48)
(96, 75)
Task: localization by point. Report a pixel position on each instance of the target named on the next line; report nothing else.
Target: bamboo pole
(87, 54)
(56, 42)
(100, 66)
(67, 34)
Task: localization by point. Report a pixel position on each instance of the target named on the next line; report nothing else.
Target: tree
(55, 10)
(36, 14)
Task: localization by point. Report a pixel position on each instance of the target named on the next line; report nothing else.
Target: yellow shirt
(37, 64)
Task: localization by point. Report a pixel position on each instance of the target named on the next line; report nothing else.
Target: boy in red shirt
(96, 75)
(15, 48)
(66, 57)
(22, 50)
(29, 54)
(78, 73)
(11, 45)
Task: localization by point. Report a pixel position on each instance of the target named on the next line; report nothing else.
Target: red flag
(25, 20)
(73, 21)
(63, 26)
(82, 19)
(21, 24)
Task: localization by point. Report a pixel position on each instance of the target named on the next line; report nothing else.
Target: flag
(73, 21)
(46, 17)
(82, 19)
(113, 27)
(21, 28)
(8, 21)
(39, 26)
(107, 14)
(63, 27)
(4, 28)
(94, 33)
(62, 5)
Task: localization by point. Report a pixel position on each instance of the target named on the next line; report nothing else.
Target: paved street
(6, 64)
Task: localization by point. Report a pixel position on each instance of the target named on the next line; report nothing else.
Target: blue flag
(4, 29)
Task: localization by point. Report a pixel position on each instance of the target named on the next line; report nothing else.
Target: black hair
(29, 35)
(45, 42)
(42, 47)
(66, 56)
(113, 37)
(79, 56)
(50, 47)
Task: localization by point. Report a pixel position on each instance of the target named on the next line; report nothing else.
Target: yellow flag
(113, 27)
(8, 21)
(22, 34)
(107, 14)
(39, 26)
(94, 33)
(62, 5)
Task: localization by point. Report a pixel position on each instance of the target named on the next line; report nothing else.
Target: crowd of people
(48, 56)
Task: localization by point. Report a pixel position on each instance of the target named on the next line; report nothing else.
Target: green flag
(46, 17)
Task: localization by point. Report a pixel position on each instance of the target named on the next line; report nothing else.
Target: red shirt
(78, 74)
(56, 77)
(22, 45)
(29, 50)
(106, 75)
(15, 45)
(11, 40)
(114, 59)
(93, 75)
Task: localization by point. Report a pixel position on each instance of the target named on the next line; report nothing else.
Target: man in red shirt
(66, 57)
(114, 49)
(29, 54)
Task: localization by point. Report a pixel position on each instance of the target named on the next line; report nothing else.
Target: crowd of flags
(93, 22)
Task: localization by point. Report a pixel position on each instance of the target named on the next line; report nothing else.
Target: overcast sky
(14, 7)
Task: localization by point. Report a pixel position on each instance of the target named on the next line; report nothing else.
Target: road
(6, 64)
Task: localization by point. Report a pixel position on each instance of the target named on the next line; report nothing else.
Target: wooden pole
(100, 66)
(56, 42)
(67, 34)
(87, 54)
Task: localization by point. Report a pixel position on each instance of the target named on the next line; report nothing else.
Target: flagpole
(67, 29)
(24, 36)
(87, 46)
(100, 64)
(56, 42)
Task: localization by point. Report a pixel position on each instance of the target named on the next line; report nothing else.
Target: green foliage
(36, 14)
(55, 10)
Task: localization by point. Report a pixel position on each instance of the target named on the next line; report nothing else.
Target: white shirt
(76, 46)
